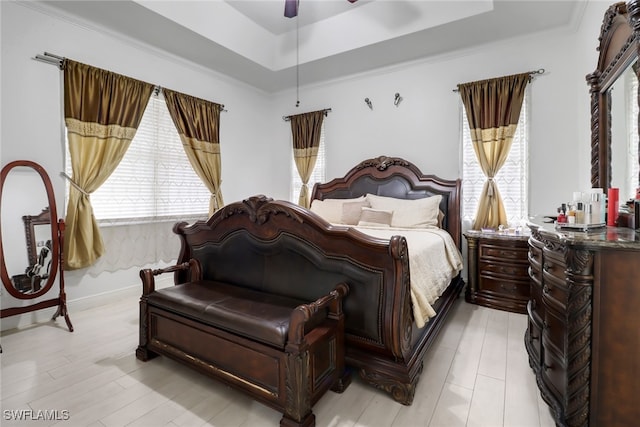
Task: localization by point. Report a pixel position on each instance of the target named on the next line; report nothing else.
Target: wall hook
(397, 100)
(368, 102)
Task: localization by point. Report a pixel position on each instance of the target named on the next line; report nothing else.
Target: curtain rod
(50, 58)
(326, 111)
(531, 75)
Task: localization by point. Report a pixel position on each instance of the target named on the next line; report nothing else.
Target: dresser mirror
(624, 133)
(30, 239)
(615, 146)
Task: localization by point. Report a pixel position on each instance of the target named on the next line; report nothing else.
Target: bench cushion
(255, 315)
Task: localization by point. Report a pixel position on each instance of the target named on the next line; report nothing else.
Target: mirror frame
(55, 231)
(618, 49)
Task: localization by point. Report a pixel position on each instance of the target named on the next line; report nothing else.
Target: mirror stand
(43, 247)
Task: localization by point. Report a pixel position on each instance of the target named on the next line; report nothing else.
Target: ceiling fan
(291, 7)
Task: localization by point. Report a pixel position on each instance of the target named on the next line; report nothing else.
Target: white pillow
(375, 217)
(331, 209)
(351, 212)
(417, 213)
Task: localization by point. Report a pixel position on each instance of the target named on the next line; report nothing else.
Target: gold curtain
(493, 110)
(306, 129)
(102, 112)
(198, 124)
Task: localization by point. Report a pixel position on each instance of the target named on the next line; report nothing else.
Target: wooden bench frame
(290, 380)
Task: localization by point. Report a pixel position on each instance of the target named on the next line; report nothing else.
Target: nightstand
(498, 270)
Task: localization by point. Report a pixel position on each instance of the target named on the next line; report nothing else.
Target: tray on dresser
(579, 227)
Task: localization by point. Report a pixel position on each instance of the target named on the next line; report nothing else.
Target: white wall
(255, 141)
(32, 117)
(424, 128)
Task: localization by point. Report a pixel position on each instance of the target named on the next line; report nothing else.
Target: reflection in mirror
(624, 134)
(37, 231)
(18, 203)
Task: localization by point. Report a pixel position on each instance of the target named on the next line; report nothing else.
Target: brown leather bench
(282, 351)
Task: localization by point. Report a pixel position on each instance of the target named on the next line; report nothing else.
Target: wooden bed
(393, 362)
(277, 246)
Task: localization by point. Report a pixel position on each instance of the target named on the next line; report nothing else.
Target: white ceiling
(252, 41)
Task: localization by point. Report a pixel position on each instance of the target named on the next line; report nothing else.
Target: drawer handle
(547, 289)
(511, 288)
(546, 367)
(545, 267)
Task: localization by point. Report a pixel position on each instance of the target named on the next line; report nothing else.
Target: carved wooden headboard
(399, 178)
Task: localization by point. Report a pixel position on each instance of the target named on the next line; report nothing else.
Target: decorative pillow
(375, 217)
(417, 213)
(440, 218)
(351, 212)
(331, 209)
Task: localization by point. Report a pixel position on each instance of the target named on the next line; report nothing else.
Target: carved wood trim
(259, 209)
(382, 163)
(579, 320)
(402, 392)
(620, 18)
(298, 385)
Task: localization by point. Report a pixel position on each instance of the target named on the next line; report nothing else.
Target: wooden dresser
(583, 334)
(498, 265)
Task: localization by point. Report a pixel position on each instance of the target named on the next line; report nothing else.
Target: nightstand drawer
(508, 271)
(502, 253)
(498, 275)
(506, 288)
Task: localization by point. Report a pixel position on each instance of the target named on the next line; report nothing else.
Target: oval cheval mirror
(30, 240)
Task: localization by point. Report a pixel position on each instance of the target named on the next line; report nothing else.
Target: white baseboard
(81, 304)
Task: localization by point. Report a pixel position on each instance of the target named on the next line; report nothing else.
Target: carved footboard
(294, 252)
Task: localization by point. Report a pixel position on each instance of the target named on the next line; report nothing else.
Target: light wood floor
(477, 374)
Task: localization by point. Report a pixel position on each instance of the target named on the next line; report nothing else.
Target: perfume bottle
(562, 218)
(580, 213)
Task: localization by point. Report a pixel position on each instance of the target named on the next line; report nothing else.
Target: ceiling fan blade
(290, 8)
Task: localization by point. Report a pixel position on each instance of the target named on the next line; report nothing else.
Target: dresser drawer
(506, 288)
(535, 255)
(554, 333)
(533, 338)
(536, 305)
(553, 266)
(554, 293)
(554, 374)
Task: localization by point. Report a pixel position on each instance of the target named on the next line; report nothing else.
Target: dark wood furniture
(618, 46)
(498, 274)
(387, 348)
(279, 350)
(583, 339)
(37, 286)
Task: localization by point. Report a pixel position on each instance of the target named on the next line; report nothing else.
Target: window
(318, 174)
(512, 179)
(154, 181)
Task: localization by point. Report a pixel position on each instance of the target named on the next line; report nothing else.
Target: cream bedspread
(434, 260)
